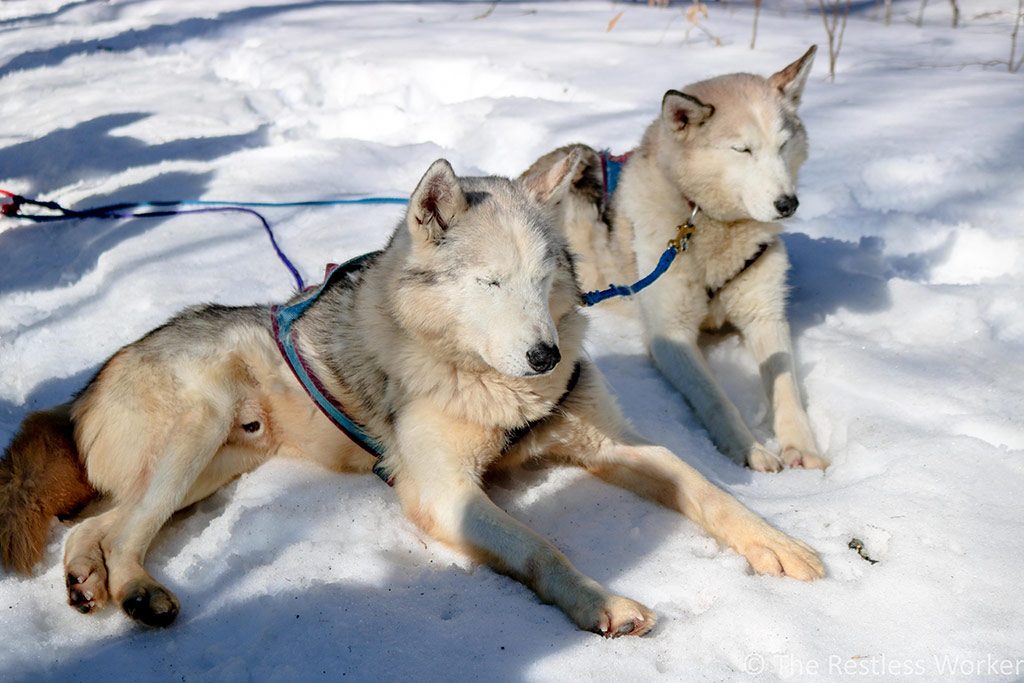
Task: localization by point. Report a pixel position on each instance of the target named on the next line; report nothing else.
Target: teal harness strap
(283, 319)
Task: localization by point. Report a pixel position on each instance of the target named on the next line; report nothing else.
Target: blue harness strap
(611, 167)
(283, 319)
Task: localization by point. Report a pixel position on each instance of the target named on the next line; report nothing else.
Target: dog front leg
(656, 473)
(596, 436)
(770, 343)
(682, 361)
(437, 483)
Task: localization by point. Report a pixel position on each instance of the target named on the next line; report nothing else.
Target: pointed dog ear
(437, 201)
(680, 111)
(790, 81)
(549, 184)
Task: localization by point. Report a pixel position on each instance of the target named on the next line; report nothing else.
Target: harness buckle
(684, 231)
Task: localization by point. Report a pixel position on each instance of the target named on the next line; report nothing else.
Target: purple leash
(224, 209)
(13, 203)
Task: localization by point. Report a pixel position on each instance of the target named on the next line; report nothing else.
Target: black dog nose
(786, 205)
(543, 357)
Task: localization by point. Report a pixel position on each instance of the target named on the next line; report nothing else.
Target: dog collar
(514, 436)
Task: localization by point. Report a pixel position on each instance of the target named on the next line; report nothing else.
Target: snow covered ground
(907, 310)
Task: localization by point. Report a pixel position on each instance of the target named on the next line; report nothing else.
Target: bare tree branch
(842, 32)
(954, 5)
(757, 13)
(487, 12)
(1015, 64)
(830, 16)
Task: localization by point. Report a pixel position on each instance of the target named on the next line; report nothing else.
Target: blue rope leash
(315, 202)
(667, 257)
(679, 243)
(129, 210)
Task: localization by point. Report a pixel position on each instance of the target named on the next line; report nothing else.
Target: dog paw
(619, 616)
(150, 604)
(777, 554)
(87, 585)
(761, 459)
(807, 459)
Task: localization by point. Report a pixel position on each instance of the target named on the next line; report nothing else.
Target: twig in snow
(488, 12)
(614, 21)
(858, 545)
(693, 15)
(668, 25)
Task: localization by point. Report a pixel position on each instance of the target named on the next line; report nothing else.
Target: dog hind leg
(195, 438)
(85, 568)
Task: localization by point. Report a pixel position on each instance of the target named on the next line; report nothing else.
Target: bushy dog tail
(40, 476)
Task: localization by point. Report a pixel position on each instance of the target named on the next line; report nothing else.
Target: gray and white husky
(458, 349)
(726, 151)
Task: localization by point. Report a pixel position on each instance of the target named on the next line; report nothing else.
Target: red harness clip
(9, 203)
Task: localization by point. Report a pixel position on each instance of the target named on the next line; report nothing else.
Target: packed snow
(907, 311)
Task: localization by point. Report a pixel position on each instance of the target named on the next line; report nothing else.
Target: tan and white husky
(458, 349)
(726, 151)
